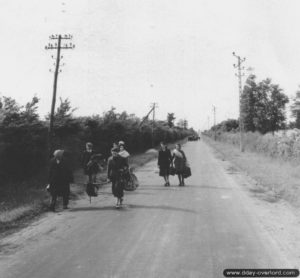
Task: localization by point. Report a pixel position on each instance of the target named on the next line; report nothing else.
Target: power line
(239, 74)
(57, 45)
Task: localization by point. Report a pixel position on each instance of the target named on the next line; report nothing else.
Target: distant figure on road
(179, 160)
(60, 177)
(86, 158)
(164, 162)
(116, 173)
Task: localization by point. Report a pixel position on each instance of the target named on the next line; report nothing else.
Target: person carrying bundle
(86, 157)
(116, 173)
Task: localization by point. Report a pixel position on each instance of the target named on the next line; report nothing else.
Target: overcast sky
(131, 53)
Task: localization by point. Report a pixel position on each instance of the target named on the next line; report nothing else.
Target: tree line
(263, 108)
(24, 135)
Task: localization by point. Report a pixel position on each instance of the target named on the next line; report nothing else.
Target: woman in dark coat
(86, 158)
(60, 177)
(164, 162)
(179, 160)
(117, 166)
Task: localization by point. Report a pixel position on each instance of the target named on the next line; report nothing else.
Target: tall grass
(284, 144)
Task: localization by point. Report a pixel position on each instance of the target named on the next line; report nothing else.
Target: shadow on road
(91, 208)
(208, 187)
(126, 207)
(137, 192)
(162, 207)
(187, 186)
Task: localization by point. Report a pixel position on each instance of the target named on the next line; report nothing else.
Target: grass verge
(22, 203)
(274, 177)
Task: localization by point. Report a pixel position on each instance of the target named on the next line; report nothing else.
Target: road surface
(192, 231)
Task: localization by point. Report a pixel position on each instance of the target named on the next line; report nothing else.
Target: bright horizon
(128, 55)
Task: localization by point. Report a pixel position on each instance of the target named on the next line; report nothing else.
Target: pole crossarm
(63, 37)
(62, 47)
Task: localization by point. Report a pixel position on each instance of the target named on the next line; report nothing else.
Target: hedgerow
(24, 150)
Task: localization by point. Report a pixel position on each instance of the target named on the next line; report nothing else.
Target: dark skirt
(164, 170)
(179, 164)
(59, 189)
(117, 185)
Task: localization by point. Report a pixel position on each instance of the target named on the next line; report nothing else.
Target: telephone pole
(153, 106)
(239, 74)
(58, 46)
(215, 129)
(208, 123)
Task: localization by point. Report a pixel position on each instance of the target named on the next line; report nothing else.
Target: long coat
(164, 161)
(60, 177)
(114, 165)
(85, 158)
(179, 162)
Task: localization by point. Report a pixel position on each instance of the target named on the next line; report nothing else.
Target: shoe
(166, 184)
(117, 204)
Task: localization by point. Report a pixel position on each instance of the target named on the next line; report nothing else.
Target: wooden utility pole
(56, 46)
(208, 123)
(153, 106)
(215, 129)
(239, 74)
(152, 110)
(146, 117)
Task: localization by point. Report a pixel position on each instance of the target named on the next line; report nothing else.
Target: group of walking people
(172, 163)
(117, 168)
(60, 174)
(118, 171)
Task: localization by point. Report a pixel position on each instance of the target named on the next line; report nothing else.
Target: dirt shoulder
(272, 185)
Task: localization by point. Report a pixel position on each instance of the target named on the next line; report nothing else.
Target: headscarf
(121, 143)
(178, 153)
(58, 154)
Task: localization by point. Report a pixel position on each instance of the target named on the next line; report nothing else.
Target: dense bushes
(23, 151)
(24, 137)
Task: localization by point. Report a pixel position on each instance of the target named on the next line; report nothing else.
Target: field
(282, 145)
(271, 160)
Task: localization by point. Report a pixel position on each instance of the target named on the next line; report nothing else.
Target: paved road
(192, 231)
